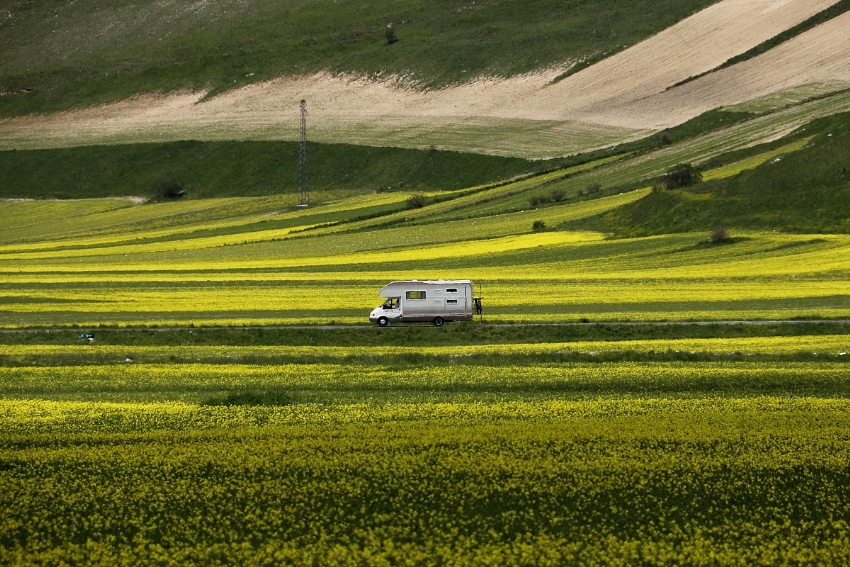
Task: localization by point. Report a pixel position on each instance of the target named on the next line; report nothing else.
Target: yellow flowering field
(405, 445)
(753, 162)
(683, 487)
(405, 382)
(195, 382)
(334, 277)
(426, 463)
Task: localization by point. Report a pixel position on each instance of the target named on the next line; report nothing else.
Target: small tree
(537, 200)
(390, 35)
(416, 201)
(682, 175)
(718, 234)
(169, 188)
(558, 195)
(592, 188)
(538, 226)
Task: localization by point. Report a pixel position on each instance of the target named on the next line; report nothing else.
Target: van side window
(451, 301)
(415, 295)
(451, 290)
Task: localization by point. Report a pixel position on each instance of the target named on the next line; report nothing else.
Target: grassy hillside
(58, 54)
(228, 169)
(231, 168)
(216, 169)
(802, 191)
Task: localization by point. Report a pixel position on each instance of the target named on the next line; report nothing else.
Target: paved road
(517, 325)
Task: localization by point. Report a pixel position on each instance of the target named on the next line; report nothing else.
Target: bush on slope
(804, 191)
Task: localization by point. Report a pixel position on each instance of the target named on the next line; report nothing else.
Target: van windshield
(391, 303)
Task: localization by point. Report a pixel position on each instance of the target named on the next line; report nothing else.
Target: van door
(392, 308)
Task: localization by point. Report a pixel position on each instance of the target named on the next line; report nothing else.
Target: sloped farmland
(531, 115)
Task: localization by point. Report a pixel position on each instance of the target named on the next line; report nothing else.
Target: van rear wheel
(383, 321)
(438, 321)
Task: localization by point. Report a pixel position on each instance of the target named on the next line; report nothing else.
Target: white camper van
(436, 301)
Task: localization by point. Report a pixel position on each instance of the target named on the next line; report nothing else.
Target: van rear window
(415, 295)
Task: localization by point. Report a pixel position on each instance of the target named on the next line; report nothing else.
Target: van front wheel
(438, 321)
(382, 321)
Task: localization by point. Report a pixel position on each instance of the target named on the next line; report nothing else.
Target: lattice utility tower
(303, 191)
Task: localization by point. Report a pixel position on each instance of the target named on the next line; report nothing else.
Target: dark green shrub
(250, 398)
(682, 175)
(417, 201)
(538, 226)
(718, 234)
(390, 35)
(169, 188)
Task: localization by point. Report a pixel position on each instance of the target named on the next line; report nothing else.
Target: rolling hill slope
(62, 55)
(621, 98)
(627, 96)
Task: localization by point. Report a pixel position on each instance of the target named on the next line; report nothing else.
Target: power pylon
(303, 191)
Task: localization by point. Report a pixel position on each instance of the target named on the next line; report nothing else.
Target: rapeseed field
(446, 462)
(256, 263)
(273, 426)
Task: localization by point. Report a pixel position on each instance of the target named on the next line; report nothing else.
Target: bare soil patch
(814, 63)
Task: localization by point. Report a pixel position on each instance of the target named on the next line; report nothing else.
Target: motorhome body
(436, 301)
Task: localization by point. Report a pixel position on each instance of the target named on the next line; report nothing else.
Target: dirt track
(620, 98)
